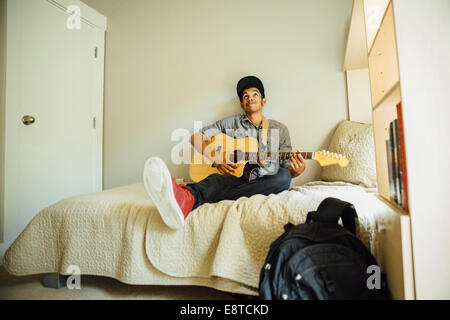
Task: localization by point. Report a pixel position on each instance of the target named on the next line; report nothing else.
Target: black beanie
(249, 82)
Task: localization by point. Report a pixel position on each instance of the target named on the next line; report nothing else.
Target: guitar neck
(276, 155)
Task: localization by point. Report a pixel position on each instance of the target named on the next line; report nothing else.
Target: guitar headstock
(326, 158)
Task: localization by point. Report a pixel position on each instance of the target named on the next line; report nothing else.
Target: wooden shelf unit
(394, 206)
(386, 94)
(407, 58)
(383, 60)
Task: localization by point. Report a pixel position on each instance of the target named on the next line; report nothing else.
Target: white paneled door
(55, 108)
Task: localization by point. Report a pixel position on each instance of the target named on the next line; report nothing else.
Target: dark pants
(218, 187)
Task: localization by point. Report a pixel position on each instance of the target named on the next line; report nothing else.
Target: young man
(174, 202)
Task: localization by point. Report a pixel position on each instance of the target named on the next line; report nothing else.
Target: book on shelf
(395, 180)
(390, 169)
(395, 153)
(402, 148)
(398, 165)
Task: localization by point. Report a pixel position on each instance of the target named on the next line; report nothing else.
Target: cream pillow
(355, 141)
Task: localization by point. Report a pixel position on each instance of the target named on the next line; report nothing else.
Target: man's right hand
(226, 168)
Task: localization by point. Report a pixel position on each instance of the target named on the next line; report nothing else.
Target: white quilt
(118, 233)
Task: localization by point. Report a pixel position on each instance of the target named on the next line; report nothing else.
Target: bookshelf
(406, 47)
(372, 52)
(385, 96)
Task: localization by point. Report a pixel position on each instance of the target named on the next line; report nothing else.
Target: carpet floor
(100, 288)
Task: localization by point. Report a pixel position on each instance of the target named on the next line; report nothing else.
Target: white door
(56, 84)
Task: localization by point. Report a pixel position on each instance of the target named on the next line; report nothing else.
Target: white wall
(169, 63)
(358, 93)
(2, 113)
(423, 38)
(105, 7)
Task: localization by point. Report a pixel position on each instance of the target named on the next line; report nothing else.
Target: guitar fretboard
(276, 155)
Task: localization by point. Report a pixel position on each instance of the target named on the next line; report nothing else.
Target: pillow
(355, 141)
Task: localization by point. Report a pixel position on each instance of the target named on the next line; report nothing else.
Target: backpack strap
(331, 209)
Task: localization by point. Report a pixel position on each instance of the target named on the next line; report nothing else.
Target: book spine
(394, 162)
(398, 165)
(390, 169)
(402, 156)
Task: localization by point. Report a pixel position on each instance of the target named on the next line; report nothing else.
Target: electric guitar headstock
(327, 158)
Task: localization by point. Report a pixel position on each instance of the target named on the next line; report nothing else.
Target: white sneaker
(159, 186)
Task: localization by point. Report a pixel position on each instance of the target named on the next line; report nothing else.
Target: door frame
(9, 228)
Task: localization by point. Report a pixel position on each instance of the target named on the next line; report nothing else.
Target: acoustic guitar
(245, 153)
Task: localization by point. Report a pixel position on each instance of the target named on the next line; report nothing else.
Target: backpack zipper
(268, 265)
(310, 269)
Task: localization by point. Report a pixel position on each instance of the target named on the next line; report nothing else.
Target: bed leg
(54, 280)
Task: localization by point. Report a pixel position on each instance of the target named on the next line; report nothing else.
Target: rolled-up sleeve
(221, 126)
(213, 129)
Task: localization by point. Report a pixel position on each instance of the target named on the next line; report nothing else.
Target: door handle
(28, 120)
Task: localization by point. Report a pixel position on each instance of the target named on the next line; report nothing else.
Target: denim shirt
(239, 126)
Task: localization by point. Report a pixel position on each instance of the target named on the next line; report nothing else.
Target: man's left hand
(297, 164)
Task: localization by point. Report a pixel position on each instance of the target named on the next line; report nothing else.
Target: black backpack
(320, 260)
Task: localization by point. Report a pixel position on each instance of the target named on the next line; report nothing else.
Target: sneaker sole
(158, 184)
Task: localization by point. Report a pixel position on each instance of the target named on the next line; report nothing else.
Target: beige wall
(2, 112)
(169, 63)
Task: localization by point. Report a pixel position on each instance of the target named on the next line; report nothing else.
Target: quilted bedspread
(118, 233)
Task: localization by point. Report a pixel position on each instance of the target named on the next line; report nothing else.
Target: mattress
(118, 233)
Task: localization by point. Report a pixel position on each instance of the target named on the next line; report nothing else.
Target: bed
(118, 233)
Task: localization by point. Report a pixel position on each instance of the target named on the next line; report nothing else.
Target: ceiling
(105, 7)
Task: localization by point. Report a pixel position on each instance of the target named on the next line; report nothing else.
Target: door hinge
(94, 123)
(96, 52)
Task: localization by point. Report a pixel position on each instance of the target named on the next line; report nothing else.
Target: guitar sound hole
(236, 156)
